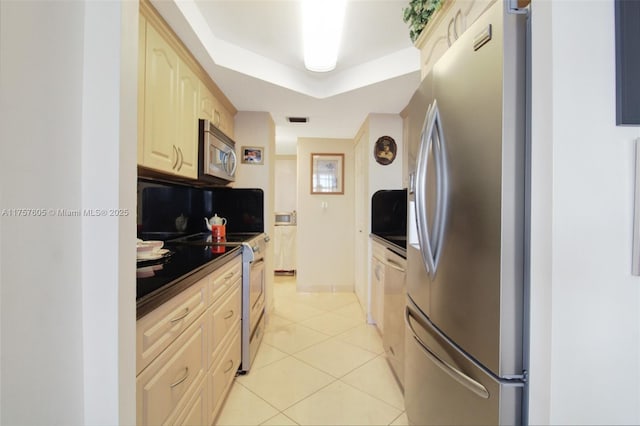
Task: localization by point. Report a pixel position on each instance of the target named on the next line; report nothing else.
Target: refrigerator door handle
(442, 173)
(453, 372)
(431, 244)
(420, 196)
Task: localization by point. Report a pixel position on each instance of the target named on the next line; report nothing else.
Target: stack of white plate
(150, 250)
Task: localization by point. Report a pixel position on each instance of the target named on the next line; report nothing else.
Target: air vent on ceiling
(298, 119)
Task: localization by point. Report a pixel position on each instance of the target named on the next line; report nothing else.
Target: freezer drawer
(444, 388)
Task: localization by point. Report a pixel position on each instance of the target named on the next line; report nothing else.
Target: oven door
(256, 292)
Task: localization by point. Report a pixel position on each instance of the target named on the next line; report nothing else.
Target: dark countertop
(395, 243)
(159, 281)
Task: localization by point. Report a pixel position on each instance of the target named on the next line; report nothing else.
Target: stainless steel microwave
(285, 218)
(217, 160)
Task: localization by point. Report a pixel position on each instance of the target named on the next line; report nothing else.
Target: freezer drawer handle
(514, 380)
(453, 372)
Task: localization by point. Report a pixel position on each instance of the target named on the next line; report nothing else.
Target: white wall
(257, 129)
(389, 176)
(325, 235)
(585, 319)
(286, 181)
(67, 286)
(376, 177)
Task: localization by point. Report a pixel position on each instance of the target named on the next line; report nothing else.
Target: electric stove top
(188, 254)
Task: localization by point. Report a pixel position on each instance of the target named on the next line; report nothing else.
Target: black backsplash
(169, 209)
(389, 212)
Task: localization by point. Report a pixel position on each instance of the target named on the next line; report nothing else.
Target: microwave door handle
(234, 163)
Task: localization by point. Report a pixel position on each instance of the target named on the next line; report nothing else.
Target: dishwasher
(390, 270)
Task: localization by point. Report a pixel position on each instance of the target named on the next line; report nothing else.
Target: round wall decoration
(384, 151)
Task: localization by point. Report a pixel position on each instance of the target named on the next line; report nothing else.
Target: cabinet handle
(175, 150)
(229, 315)
(449, 27)
(394, 265)
(181, 158)
(182, 379)
(226, 370)
(229, 276)
(186, 312)
(458, 22)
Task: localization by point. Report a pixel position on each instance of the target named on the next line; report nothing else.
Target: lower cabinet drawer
(195, 412)
(173, 377)
(225, 278)
(221, 376)
(156, 331)
(223, 319)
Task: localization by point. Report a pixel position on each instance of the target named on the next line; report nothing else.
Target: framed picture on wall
(327, 173)
(252, 155)
(385, 150)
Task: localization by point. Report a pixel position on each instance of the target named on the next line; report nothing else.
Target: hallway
(320, 363)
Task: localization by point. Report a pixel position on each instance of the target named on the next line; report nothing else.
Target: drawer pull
(182, 379)
(229, 315)
(229, 367)
(186, 312)
(229, 276)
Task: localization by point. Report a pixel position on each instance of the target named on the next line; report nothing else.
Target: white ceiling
(253, 51)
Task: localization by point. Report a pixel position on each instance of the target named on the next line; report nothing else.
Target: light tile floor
(320, 363)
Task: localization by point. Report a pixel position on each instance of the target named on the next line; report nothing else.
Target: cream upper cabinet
(453, 18)
(173, 93)
(171, 104)
(142, 37)
(161, 75)
(187, 132)
(223, 118)
(207, 103)
(213, 110)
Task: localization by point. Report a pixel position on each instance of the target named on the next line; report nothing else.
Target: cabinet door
(142, 37)
(377, 292)
(187, 132)
(207, 103)
(173, 378)
(161, 73)
(446, 26)
(221, 376)
(226, 277)
(395, 295)
(195, 411)
(224, 318)
(226, 120)
(156, 331)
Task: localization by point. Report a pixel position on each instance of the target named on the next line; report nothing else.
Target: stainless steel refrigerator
(465, 351)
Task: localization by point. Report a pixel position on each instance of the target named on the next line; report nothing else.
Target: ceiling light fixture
(322, 30)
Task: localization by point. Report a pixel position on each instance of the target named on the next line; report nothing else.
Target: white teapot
(215, 220)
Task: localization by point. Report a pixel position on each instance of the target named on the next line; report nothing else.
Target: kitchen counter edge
(151, 301)
(400, 251)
